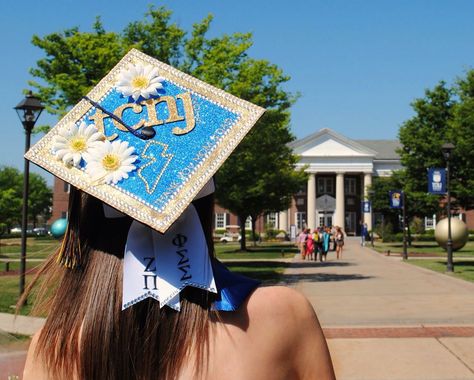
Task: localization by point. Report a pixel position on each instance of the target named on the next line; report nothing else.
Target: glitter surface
(197, 127)
(168, 160)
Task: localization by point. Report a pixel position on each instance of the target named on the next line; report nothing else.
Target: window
(220, 220)
(321, 221)
(325, 185)
(66, 187)
(300, 201)
(248, 223)
(350, 186)
(64, 215)
(272, 220)
(300, 220)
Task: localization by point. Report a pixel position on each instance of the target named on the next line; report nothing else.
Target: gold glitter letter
(152, 117)
(98, 119)
(188, 113)
(137, 108)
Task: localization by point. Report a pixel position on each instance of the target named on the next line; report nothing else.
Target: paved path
(385, 319)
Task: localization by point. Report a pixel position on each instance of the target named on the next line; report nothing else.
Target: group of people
(314, 245)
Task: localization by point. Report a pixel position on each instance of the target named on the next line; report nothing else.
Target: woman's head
(86, 332)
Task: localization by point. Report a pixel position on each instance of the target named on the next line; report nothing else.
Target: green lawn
(260, 262)
(265, 251)
(35, 248)
(9, 286)
(462, 269)
(424, 248)
(269, 272)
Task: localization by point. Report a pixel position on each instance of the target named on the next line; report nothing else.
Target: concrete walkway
(385, 319)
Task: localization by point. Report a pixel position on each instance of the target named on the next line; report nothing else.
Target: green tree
(259, 176)
(40, 199)
(462, 135)
(422, 137)
(11, 197)
(444, 114)
(11, 183)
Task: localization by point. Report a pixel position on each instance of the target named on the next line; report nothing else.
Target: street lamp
(447, 149)
(371, 194)
(28, 111)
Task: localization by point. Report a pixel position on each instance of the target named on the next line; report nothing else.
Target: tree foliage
(11, 197)
(444, 114)
(259, 176)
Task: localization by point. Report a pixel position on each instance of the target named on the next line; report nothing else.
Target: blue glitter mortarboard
(146, 139)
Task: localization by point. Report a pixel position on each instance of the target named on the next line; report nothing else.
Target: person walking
(363, 233)
(326, 241)
(301, 240)
(316, 241)
(339, 238)
(309, 245)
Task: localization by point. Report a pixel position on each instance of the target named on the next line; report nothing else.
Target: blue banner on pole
(437, 180)
(396, 198)
(366, 206)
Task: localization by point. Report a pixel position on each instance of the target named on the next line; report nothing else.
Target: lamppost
(28, 111)
(447, 149)
(405, 227)
(371, 199)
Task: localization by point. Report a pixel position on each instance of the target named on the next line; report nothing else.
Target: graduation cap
(146, 139)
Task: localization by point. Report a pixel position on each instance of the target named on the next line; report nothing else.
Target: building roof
(386, 149)
(381, 149)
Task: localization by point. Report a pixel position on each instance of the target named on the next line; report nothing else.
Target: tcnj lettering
(152, 119)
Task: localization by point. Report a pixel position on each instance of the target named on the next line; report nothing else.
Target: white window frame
(350, 186)
(300, 218)
(272, 220)
(248, 223)
(221, 219)
(327, 185)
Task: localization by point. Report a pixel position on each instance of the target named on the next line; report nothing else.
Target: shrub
(417, 226)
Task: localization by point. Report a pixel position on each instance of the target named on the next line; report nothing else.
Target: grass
(266, 251)
(269, 272)
(462, 269)
(35, 248)
(424, 248)
(9, 295)
(8, 338)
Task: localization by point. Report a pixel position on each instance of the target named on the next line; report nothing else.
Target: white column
(283, 220)
(339, 214)
(311, 202)
(367, 184)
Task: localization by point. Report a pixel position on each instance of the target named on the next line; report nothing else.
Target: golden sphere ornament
(459, 233)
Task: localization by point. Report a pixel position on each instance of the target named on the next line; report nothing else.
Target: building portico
(340, 174)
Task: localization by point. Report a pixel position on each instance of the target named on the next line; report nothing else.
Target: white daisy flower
(140, 80)
(110, 162)
(72, 142)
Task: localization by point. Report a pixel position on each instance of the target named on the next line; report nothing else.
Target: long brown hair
(86, 334)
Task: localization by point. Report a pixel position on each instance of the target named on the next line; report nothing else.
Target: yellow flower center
(140, 82)
(111, 162)
(78, 144)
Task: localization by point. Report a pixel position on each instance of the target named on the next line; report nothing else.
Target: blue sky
(356, 63)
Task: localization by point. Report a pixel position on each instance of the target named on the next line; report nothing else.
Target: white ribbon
(161, 265)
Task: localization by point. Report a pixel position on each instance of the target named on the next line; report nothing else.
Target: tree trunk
(254, 238)
(243, 246)
(408, 233)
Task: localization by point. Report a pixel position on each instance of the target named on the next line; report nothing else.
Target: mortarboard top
(151, 176)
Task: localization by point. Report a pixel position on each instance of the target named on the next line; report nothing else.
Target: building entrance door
(351, 223)
(325, 219)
